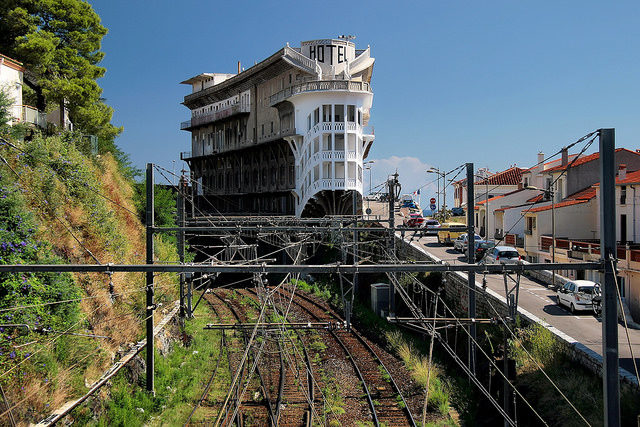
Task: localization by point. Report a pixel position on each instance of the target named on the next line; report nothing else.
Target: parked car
(481, 247)
(457, 211)
(446, 237)
(577, 295)
(431, 226)
(502, 255)
(460, 244)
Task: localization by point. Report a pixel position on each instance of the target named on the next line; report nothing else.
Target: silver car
(577, 295)
(502, 255)
(460, 244)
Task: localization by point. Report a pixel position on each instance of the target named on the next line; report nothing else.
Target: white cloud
(411, 174)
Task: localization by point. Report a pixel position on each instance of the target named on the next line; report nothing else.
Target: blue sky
(491, 82)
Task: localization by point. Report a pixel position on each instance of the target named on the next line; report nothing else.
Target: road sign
(432, 201)
(433, 207)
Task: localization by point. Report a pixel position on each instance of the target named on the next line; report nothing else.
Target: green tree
(59, 43)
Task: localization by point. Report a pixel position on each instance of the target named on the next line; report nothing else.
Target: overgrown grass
(60, 205)
(418, 365)
(180, 380)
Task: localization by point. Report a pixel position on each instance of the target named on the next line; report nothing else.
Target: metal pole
(150, 291)
(356, 236)
(553, 235)
(471, 275)
(392, 224)
(444, 196)
(181, 223)
(438, 192)
(486, 207)
(611, 380)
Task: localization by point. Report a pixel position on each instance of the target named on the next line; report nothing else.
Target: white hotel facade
(286, 136)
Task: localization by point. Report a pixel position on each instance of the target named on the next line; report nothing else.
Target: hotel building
(285, 137)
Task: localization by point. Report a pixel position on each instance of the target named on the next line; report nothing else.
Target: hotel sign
(330, 52)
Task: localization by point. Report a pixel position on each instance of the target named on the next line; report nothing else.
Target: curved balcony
(317, 86)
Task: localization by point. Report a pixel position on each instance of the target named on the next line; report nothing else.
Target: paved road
(536, 298)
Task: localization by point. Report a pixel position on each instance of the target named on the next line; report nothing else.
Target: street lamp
(444, 189)
(367, 165)
(550, 194)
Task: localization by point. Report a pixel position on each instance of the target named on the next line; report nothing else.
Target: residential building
(575, 217)
(488, 185)
(11, 82)
(286, 136)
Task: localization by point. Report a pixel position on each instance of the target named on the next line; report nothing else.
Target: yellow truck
(446, 237)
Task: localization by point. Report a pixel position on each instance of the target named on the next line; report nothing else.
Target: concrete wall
(489, 302)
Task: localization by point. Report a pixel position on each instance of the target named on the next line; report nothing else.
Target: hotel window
(309, 122)
(316, 172)
(340, 170)
(359, 117)
(326, 170)
(326, 142)
(351, 170)
(351, 142)
(623, 194)
(326, 113)
(359, 173)
(351, 113)
(316, 116)
(316, 144)
(339, 113)
(271, 127)
(339, 141)
(263, 129)
(289, 78)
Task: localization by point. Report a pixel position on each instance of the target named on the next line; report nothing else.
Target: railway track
(297, 379)
(386, 401)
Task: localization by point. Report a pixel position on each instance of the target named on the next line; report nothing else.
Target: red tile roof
(558, 205)
(631, 178)
(511, 176)
(536, 199)
(482, 202)
(582, 196)
(585, 159)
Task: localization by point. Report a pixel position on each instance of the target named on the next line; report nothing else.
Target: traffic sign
(432, 201)
(433, 207)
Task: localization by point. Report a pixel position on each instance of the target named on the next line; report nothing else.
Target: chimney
(622, 171)
(565, 156)
(540, 166)
(239, 67)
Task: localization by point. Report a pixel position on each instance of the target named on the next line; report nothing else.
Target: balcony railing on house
(319, 85)
(33, 115)
(214, 116)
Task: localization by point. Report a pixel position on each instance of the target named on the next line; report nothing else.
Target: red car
(415, 220)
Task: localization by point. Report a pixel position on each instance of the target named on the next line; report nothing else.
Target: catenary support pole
(181, 222)
(471, 260)
(610, 376)
(150, 290)
(391, 186)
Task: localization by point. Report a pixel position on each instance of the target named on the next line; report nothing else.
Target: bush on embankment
(59, 204)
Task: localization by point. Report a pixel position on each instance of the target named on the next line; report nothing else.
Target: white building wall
(11, 81)
(337, 168)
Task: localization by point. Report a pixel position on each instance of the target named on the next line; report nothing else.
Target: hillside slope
(59, 204)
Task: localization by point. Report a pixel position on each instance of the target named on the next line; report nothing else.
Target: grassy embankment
(54, 209)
